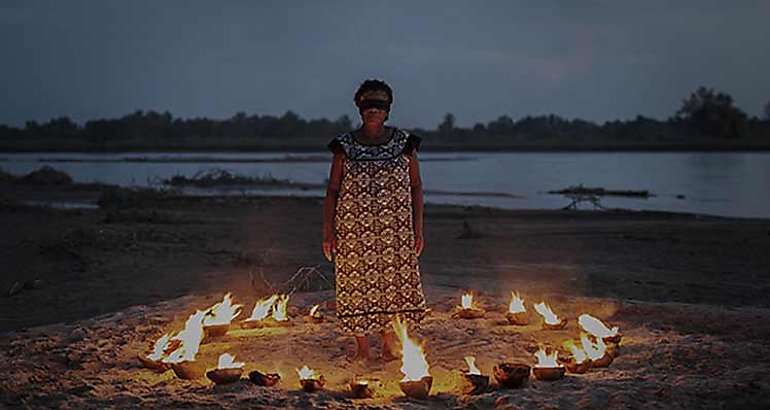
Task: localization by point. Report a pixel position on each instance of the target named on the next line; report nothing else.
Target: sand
(92, 289)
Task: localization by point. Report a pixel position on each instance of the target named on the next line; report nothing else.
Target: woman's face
(372, 108)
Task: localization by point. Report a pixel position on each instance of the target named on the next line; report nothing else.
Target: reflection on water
(727, 184)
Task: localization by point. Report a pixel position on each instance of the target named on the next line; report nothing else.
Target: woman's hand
(329, 246)
(419, 243)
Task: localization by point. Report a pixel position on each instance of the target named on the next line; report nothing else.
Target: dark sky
(591, 59)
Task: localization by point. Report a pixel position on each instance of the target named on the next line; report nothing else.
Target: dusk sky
(594, 59)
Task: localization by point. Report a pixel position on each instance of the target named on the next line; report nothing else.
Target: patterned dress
(376, 262)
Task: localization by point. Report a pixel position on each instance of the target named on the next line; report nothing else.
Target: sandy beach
(86, 291)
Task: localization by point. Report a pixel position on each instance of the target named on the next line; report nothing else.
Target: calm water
(727, 184)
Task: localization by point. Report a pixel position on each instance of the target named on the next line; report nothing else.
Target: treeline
(707, 119)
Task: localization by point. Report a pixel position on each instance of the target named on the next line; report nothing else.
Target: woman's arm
(330, 205)
(417, 201)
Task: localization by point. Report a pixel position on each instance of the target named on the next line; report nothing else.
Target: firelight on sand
(596, 327)
(222, 313)
(262, 308)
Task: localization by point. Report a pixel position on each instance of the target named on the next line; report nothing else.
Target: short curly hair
(373, 85)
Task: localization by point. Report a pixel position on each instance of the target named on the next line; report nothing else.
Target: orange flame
(517, 304)
(314, 309)
(546, 360)
(545, 311)
(596, 327)
(262, 308)
(305, 373)
(593, 350)
(222, 313)
(190, 338)
(227, 361)
(413, 363)
(159, 351)
(279, 309)
(466, 301)
(578, 353)
(472, 369)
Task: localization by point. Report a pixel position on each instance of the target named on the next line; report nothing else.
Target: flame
(546, 360)
(467, 301)
(545, 311)
(472, 369)
(578, 353)
(596, 327)
(279, 309)
(594, 351)
(190, 338)
(314, 309)
(159, 351)
(262, 308)
(305, 373)
(517, 304)
(413, 363)
(222, 313)
(227, 361)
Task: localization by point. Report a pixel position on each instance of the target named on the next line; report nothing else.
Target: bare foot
(389, 356)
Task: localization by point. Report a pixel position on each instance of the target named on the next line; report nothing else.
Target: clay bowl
(224, 376)
(267, 380)
(216, 330)
(548, 373)
(574, 367)
(253, 324)
(519, 319)
(477, 383)
(472, 313)
(558, 326)
(311, 385)
(511, 375)
(418, 389)
(188, 370)
(613, 339)
(603, 361)
(360, 389)
(155, 365)
(613, 350)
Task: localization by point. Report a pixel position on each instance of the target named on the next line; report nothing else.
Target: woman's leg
(389, 346)
(362, 348)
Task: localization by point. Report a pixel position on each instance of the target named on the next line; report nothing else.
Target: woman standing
(373, 223)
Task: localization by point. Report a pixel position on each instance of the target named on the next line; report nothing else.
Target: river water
(724, 184)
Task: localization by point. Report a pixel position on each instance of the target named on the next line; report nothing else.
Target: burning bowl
(216, 330)
(548, 373)
(470, 313)
(360, 389)
(613, 339)
(519, 318)
(574, 367)
(613, 350)
(311, 385)
(418, 389)
(155, 365)
(476, 383)
(557, 326)
(603, 361)
(267, 380)
(188, 370)
(224, 376)
(511, 375)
